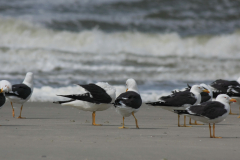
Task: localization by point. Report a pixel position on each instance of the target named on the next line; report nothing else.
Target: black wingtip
(180, 111)
(61, 95)
(61, 102)
(67, 96)
(56, 102)
(189, 86)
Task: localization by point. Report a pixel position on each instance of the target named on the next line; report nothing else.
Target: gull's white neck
(132, 85)
(28, 81)
(226, 105)
(133, 89)
(197, 95)
(28, 84)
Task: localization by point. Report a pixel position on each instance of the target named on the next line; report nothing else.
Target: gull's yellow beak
(205, 90)
(233, 100)
(126, 89)
(1, 90)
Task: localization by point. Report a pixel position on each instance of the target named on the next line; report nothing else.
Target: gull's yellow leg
(210, 131)
(230, 113)
(197, 123)
(214, 131)
(123, 125)
(20, 117)
(13, 113)
(179, 121)
(190, 122)
(135, 120)
(185, 122)
(93, 119)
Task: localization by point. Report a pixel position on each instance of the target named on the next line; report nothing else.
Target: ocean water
(163, 45)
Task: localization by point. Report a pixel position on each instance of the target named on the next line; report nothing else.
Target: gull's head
(225, 98)
(29, 79)
(131, 85)
(198, 89)
(5, 86)
(208, 88)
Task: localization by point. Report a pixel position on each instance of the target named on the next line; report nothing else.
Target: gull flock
(208, 104)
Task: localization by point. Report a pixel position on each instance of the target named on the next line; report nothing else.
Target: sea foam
(49, 94)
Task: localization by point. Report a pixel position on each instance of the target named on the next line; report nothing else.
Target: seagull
(21, 93)
(221, 86)
(98, 97)
(5, 86)
(128, 102)
(205, 97)
(234, 92)
(180, 100)
(210, 112)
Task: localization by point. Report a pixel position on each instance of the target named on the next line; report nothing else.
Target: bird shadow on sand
(2, 125)
(220, 138)
(148, 128)
(133, 127)
(128, 127)
(102, 125)
(44, 118)
(225, 124)
(230, 137)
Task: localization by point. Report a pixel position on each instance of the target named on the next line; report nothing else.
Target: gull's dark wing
(205, 97)
(210, 110)
(129, 99)
(176, 99)
(20, 90)
(2, 99)
(221, 86)
(98, 93)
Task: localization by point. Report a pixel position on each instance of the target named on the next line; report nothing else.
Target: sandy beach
(55, 132)
(163, 45)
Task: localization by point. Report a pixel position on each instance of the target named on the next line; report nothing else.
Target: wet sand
(56, 132)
